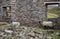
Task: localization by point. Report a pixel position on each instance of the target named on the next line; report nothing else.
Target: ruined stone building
(26, 11)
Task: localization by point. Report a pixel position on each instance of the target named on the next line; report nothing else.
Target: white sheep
(47, 23)
(16, 24)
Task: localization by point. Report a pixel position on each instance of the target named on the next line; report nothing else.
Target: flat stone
(31, 34)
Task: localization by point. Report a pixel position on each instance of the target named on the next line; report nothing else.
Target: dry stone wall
(30, 11)
(26, 11)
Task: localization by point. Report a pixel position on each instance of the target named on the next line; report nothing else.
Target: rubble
(24, 32)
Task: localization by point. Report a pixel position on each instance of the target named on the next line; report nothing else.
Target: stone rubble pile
(23, 32)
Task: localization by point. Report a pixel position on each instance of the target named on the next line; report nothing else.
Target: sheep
(48, 24)
(16, 24)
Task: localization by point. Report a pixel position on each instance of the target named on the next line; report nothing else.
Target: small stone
(31, 34)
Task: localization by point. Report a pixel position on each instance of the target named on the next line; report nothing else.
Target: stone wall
(27, 12)
(30, 11)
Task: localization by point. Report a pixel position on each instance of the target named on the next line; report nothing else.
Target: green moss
(39, 28)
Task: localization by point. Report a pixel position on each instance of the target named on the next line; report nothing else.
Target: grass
(52, 13)
(39, 29)
(58, 37)
(4, 24)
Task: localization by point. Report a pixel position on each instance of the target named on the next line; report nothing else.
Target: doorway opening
(7, 11)
(52, 10)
